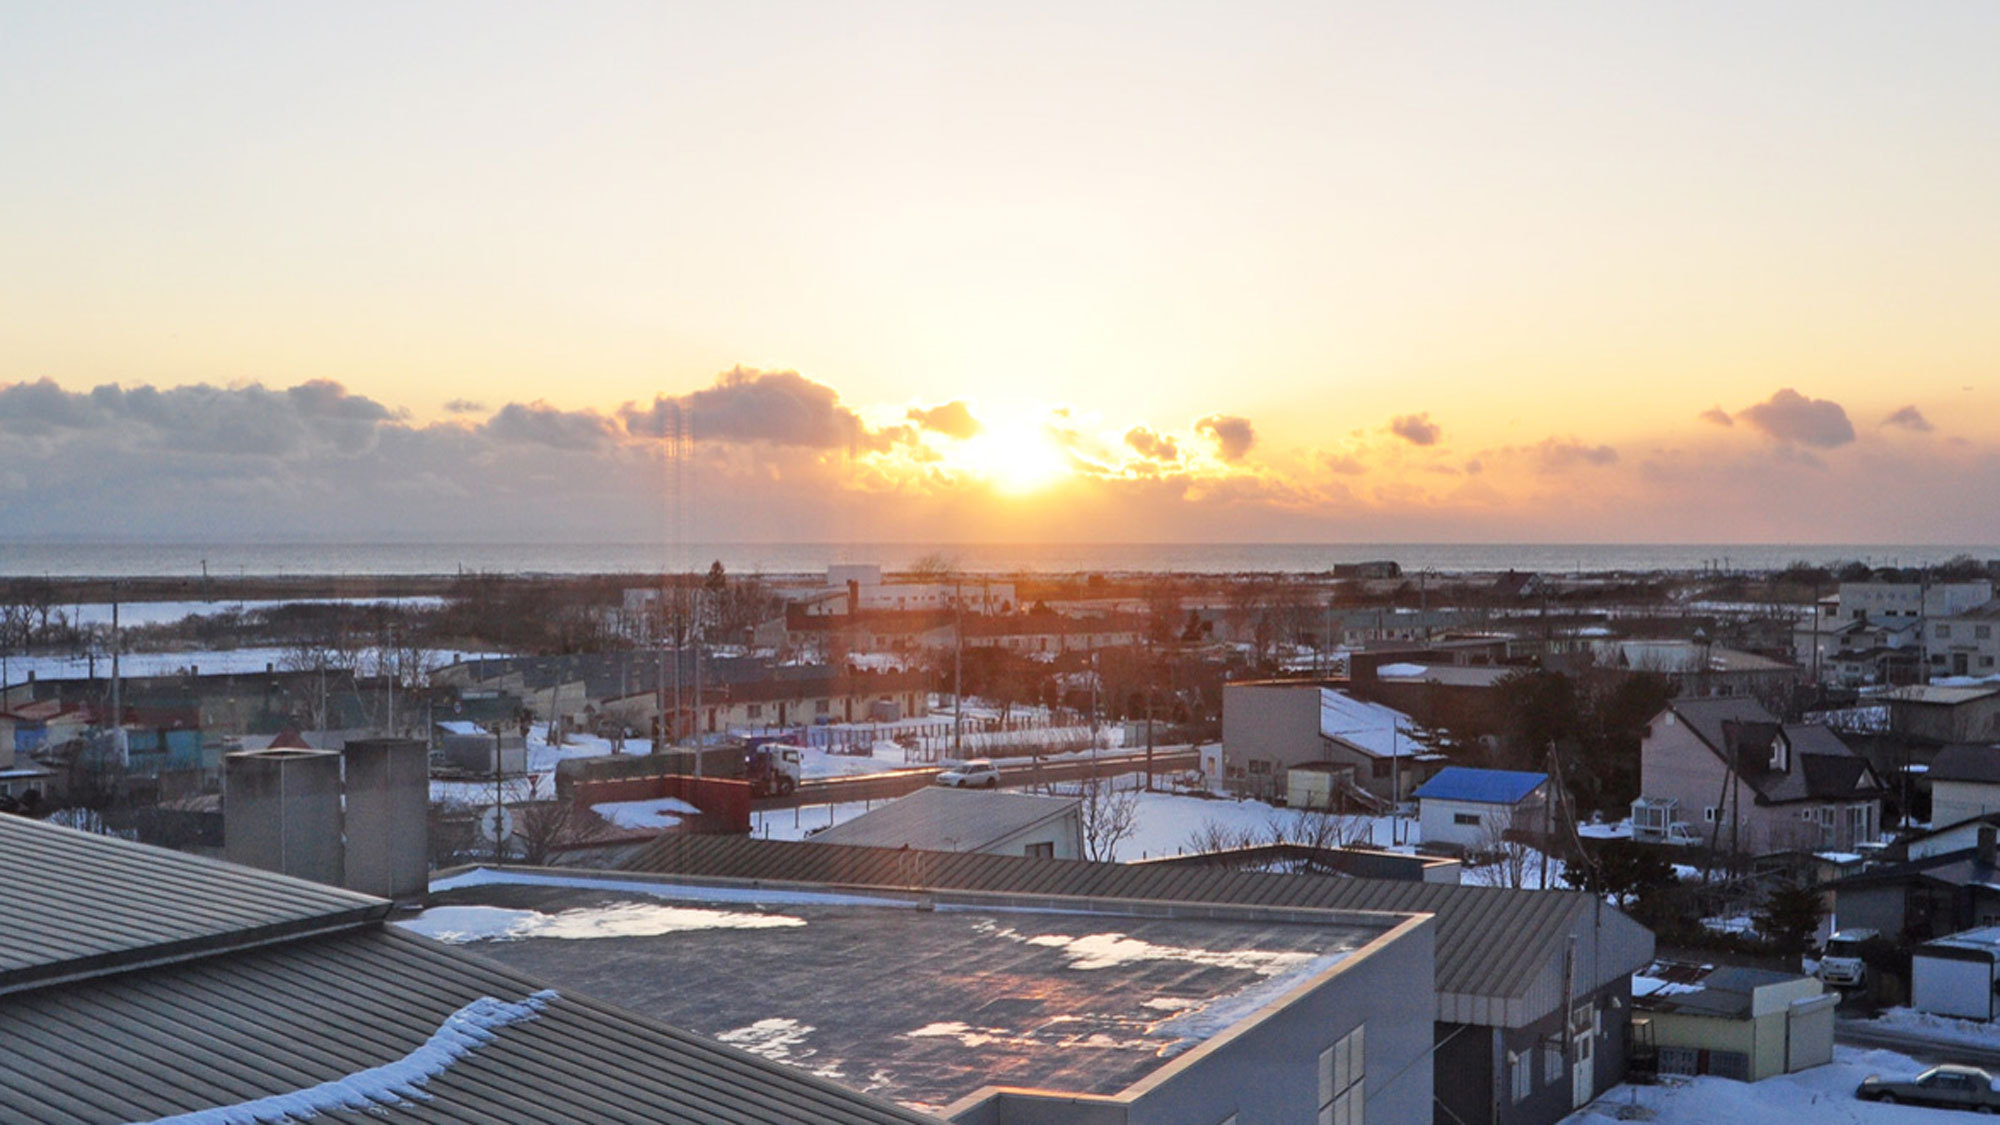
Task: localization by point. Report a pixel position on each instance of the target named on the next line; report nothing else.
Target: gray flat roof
(923, 1006)
(947, 820)
(1493, 944)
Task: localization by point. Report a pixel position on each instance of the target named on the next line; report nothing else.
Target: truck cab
(1840, 963)
(774, 769)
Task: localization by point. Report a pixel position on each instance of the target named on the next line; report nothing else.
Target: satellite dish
(500, 816)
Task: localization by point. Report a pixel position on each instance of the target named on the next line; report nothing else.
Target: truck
(773, 769)
(1840, 963)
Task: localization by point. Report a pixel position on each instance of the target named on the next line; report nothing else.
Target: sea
(263, 559)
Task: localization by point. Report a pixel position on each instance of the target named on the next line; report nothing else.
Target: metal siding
(77, 901)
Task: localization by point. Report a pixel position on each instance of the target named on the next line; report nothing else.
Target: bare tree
(547, 827)
(1215, 836)
(1109, 815)
(1498, 861)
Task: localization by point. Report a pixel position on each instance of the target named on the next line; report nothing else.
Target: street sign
(505, 820)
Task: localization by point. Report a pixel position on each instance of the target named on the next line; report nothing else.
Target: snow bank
(761, 896)
(462, 1032)
(1940, 1029)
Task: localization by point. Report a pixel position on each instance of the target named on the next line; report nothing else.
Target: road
(895, 783)
(1852, 1033)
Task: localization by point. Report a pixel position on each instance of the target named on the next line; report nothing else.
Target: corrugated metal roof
(151, 1043)
(947, 820)
(75, 903)
(1491, 787)
(1491, 942)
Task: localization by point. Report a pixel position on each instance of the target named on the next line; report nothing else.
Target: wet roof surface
(924, 1007)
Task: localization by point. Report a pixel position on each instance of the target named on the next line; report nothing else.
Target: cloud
(33, 408)
(1152, 446)
(954, 420)
(1910, 418)
(464, 406)
(1717, 415)
(1233, 436)
(540, 423)
(1344, 463)
(749, 406)
(1558, 456)
(1417, 429)
(1791, 417)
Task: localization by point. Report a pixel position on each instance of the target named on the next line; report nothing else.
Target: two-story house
(1732, 776)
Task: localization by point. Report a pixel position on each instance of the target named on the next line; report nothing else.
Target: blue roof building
(1470, 809)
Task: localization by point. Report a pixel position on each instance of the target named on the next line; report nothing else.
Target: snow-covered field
(1810, 1097)
(132, 614)
(232, 661)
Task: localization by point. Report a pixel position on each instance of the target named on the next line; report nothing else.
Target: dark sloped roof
(1960, 868)
(1966, 763)
(1490, 941)
(74, 903)
(948, 820)
(1822, 767)
(159, 1042)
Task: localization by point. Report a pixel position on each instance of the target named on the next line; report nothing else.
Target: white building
(1470, 808)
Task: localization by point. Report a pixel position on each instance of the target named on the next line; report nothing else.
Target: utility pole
(958, 673)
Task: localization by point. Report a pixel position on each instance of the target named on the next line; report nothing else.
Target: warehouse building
(138, 984)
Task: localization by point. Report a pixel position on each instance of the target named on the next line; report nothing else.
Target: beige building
(1271, 726)
(1747, 1024)
(1729, 775)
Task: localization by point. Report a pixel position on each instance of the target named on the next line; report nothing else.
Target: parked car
(1950, 1087)
(979, 773)
(1840, 963)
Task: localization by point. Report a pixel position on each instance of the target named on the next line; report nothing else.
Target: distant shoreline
(402, 568)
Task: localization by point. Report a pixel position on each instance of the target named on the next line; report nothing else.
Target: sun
(1016, 460)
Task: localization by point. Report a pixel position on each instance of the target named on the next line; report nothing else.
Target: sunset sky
(1151, 271)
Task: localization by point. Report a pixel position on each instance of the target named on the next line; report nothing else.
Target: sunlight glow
(1017, 460)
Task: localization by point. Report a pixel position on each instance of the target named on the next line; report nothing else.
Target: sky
(1409, 271)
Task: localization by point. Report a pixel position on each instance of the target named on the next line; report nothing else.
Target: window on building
(1552, 1063)
(1044, 850)
(1986, 662)
(1259, 767)
(1469, 820)
(1943, 631)
(754, 710)
(822, 707)
(1708, 814)
(1521, 1074)
(1982, 632)
(1342, 1091)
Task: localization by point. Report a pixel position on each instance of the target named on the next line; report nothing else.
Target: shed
(1957, 975)
(1747, 1024)
(1469, 808)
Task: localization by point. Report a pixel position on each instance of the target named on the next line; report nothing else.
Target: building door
(1583, 1061)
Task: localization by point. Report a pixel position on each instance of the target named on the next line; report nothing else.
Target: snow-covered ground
(232, 661)
(1175, 824)
(1810, 1097)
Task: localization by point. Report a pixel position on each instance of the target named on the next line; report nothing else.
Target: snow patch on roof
(462, 1032)
(460, 924)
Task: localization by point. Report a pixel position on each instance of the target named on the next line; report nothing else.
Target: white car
(979, 773)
